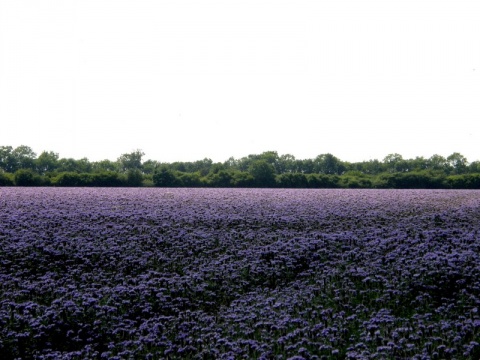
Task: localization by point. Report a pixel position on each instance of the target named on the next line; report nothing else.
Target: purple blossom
(239, 273)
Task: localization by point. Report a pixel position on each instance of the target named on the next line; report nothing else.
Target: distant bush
(222, 178)
(134, 178)
(26, 177)
(242, 179)
(6, 179)
(355, 179)
(108, 179)
(465, 181)
(410, 180)
(68, 179)
(102, 179)
(323, 181)
(165, 177)
(185, 179)
(292, 180)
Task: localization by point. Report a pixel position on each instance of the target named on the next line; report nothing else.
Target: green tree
(394, 163)
(83, 165)
(474, 167)
(272, 158)
(131, 161)
(105, 165)
(26, 177)
(231, 163)
(67, 179)
(306, 166)
(202, 166)
(263, 173)
(107, 179)
(292, 180)
(458, 163)
(134, 178)
(222, 178)
(323, 181)
(67, 165)
(7, 160)
(242, 179)
(6, 179)
(371, 167)
(46, 162)
(463, 181)
(355, 179)
(328, 164)
(24, 157)
(150, 166)
(191, 179)
(164, 177)
(287, 164)
(437, 162)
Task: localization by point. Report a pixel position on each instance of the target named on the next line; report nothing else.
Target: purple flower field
(239, 273)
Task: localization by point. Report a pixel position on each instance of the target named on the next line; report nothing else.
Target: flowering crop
(239, 273)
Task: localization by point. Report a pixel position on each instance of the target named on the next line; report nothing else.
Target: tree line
(21, 166)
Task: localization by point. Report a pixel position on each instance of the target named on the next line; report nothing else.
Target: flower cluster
(239, 273)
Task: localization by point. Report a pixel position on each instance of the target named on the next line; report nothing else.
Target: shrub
(6, 179)
(134, 178)
(26, 177)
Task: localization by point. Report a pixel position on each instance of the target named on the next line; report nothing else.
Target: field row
(239, 273)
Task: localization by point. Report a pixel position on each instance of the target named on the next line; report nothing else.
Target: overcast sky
(188, 79)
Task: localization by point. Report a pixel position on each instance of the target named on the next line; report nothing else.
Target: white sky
(188, 79)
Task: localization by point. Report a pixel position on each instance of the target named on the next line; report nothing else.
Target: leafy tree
(437, 162)
(474, 167)
(46, 162)
(371, 167)
(131, 161)
(242, 179)
(150, 166)
(202, 166)
(69, 179)
(26, 177)
(6, 179)
(328, 164)
(417, 164)
(67, 165)
(323, 181)
(267, 169)
(180, 166)
(164, 177)
(394, 163)
(263, 173)
(107, 179)
(24, 157)
(409, 180)
(7, 160)
(104, 165)
(272, 158)
(292, 180)
(463, 181)
(287, 164)
(457, 162)
(231, 163)
(216, 168)
(134, 178)
(306, 166)
(355, 179)
(83, 165)
(221, 178)
(189, 179)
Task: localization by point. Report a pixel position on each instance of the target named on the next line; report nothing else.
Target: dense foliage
(22, 167)
(239, 273)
